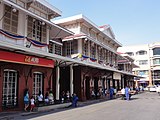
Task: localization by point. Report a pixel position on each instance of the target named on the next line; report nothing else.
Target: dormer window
(130, 53)
(10, 20)
(142, 52)
(36, 30)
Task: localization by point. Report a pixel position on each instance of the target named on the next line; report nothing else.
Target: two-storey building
(96, 47)
(25, 61)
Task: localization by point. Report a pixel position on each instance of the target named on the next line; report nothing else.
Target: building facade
(147, 58)
(25, 31)
(38, 55)
(97, 46)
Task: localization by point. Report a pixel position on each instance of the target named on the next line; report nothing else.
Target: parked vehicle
(152, 89)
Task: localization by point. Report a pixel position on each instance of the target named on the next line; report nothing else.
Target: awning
(25, 59)
(143, 81)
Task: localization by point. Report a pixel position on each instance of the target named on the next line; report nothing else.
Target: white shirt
(123, 91)
(40, 98)
(32, 101)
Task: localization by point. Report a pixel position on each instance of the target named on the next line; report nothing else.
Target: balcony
(7, 37)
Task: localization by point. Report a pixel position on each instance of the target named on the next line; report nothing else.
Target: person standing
(26, 100)
(74, 100)
(32, 103)
(127, 92)
(111, 92)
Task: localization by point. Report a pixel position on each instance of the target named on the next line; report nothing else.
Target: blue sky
(133, 21)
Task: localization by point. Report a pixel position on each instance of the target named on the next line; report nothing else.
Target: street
(144, 106)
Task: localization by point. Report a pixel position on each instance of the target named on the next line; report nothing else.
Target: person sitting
(40, 98)
(63, 97)
(46, 99)
(123, 93)
(92, 94)
(51, 97)
(68, 96)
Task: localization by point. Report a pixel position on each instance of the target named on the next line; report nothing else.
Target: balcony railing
(22, 41)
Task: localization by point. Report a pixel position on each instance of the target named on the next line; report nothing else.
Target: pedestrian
(127, 90)
(26, 99)
(111, 92)
(32, 103)
(74, 100)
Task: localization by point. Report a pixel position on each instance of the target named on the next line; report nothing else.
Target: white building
(96, 46)
(147, 57)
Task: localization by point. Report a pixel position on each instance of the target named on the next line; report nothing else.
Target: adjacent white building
(147, 57)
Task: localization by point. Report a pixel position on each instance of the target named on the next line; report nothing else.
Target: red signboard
(25, 59)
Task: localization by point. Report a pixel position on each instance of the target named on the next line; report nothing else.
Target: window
(142, 52)
(156, 51)
(9, 96)
(36, 30)
(156, 74)
(71, 47)
(93, 50)
(130, 53)
(100, 53)
(10, 21)
(85, 47)
(143, 72)
(37, 83)
(143, 62)
(107, 56)
(58, 49)
(55, 48)
(156, 61)
(110, 57)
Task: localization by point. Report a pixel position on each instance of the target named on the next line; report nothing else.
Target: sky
(133, 22)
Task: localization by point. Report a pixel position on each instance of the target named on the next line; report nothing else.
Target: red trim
(25, 59)
(73, 36)
(103, 26)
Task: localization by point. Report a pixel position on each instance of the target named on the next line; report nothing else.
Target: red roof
(73, 36)
(103, 26)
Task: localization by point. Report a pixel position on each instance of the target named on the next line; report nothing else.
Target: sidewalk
(11, 115)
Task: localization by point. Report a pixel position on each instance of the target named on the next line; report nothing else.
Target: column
(105, 83)
(57, 82)
(71, 79)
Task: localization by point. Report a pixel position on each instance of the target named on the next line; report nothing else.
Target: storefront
(20, 71)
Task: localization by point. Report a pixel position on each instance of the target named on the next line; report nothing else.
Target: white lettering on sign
(30, 59)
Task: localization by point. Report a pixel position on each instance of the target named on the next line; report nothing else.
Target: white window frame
(37, 85)
(71, 47)
(55, 48)
(36, 30)
(10, 88)
(10, 20)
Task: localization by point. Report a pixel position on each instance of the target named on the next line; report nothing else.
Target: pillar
(57, 82)
(71, 79)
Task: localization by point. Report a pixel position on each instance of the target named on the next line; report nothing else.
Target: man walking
(127, 92)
